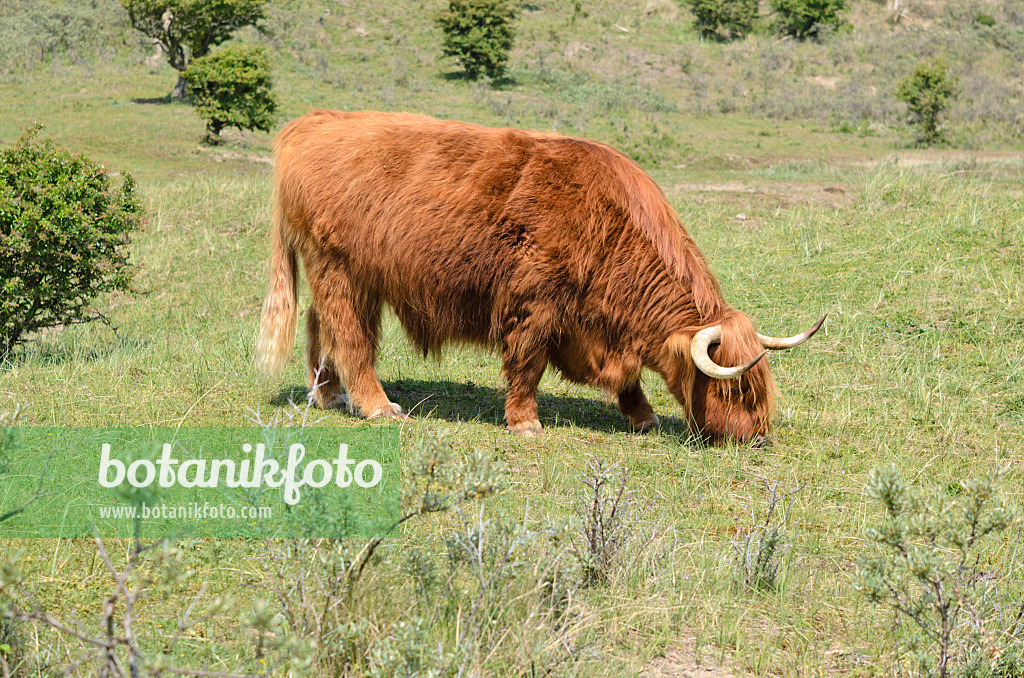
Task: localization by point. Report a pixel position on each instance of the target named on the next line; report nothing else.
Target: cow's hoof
(527, 429)
(646, 425)
(393, 410)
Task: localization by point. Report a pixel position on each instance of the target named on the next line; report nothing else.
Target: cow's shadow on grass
(465, 401)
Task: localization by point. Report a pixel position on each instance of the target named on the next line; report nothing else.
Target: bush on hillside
(189, 29)
(927, 92)
(804, 19)
(479, 34)
(232, 88)
(724, 19)
(64, 231)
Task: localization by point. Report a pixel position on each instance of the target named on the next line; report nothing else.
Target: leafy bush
(724, 19)
(805, 19)
(479, 34)
(927, 92)
(233, 88)
(189, 29)
(64, 232)
(935, 571)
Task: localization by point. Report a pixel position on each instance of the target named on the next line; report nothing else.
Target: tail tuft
(280, 308)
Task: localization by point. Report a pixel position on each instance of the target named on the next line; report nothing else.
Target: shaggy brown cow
(554, 249)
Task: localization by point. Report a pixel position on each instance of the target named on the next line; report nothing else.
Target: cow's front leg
(633, 403)
(523, 376)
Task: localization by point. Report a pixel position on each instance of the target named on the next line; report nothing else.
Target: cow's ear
(679, 343)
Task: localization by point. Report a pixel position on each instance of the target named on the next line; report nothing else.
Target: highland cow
(552, 249)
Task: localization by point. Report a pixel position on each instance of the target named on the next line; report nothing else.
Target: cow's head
(719, 377)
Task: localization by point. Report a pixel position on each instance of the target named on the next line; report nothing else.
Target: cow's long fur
(551, 248)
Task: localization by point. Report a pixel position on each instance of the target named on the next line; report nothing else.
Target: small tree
(64, 232)
(479, 34)
(927, 92)
(233, 88)
(189, 29)
(724, 19)
(804, 19)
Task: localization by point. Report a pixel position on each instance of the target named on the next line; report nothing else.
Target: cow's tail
(280, 308)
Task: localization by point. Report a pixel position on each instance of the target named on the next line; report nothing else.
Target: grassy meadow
(792, 167)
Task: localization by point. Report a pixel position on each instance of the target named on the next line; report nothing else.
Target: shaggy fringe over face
(746, 402)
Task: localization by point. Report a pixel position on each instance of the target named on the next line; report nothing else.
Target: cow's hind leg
(346, 346)
(633, 403)
(325, 385)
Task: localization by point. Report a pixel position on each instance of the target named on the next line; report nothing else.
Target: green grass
(917, 259)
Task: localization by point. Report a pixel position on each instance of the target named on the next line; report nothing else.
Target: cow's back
(411, 208)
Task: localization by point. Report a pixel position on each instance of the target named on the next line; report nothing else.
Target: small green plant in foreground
(960, 605)
(608, 514)
(759, 549)
(64, 232)
(233, 88)
(927, 92)
(479, 34)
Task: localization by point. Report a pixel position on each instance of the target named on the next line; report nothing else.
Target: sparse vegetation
(232, 88)
(479, 34)
(760, 546)
(64, 231)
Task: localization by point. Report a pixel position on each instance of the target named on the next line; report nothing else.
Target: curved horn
(779, 343)
(699, 353)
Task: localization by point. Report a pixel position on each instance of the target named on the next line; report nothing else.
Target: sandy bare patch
(681, 662)
(222, 155)
(927, 156)
(777, 192)
(828, 82)
(574, 49)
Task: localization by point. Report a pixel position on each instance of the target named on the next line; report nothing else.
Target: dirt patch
(575, 49)
(827, 82)
(924, 156)
(778, 193)
(681, 662)
(224, 155)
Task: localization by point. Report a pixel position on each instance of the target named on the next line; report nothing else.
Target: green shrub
(479, 34)
(805, 19)
(927, 92)
(724, 19)
(233, 88)
(64, 232)
(940, 569)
